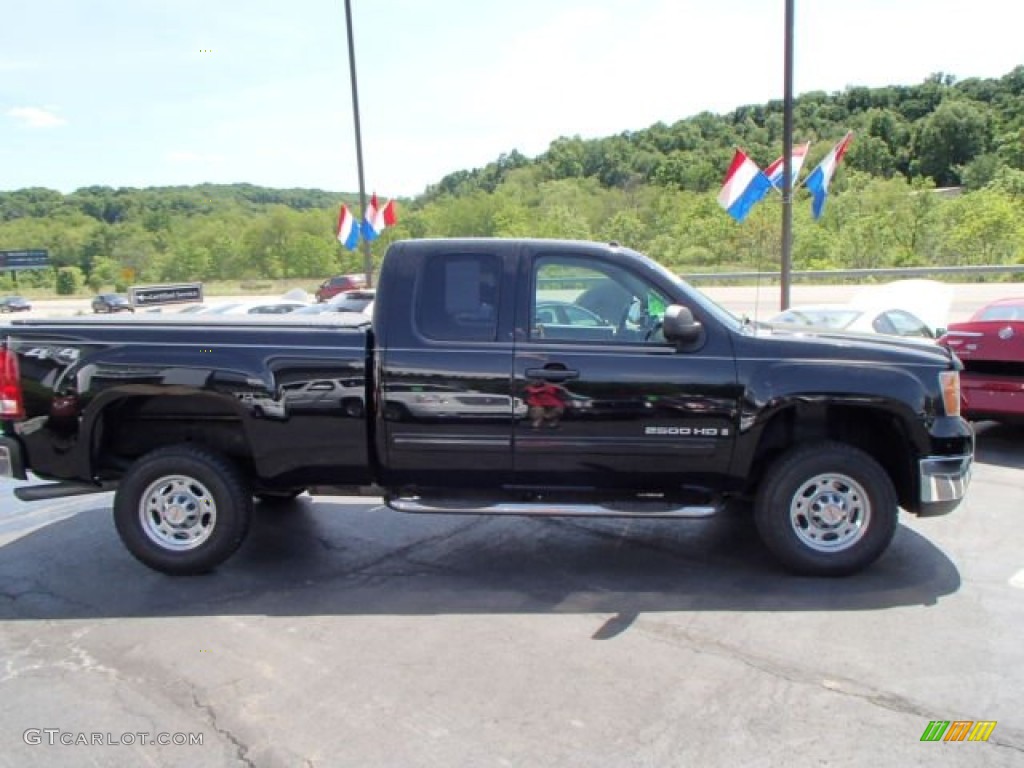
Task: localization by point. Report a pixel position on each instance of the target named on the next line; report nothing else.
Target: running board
(60, 490)
(608, 509)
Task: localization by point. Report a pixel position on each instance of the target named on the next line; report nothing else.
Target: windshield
(1002, 312)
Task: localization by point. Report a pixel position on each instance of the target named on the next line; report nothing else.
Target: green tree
(951, 137)
(984, 228)
(69, 281)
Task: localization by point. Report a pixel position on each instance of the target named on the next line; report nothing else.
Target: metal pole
(367, 255)
(787, 159)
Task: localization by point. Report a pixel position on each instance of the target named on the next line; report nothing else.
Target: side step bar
(550, 509)
(60, 490)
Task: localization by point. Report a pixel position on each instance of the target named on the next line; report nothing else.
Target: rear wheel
(826, 509)
(395, 412)
(182, 510)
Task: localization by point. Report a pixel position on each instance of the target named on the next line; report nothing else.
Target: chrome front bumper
(944, 481)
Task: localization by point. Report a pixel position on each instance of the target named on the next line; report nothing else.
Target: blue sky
(161, 92)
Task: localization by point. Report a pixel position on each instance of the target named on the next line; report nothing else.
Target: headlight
(949, 381)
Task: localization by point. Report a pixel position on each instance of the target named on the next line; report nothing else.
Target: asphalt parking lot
(344, 634)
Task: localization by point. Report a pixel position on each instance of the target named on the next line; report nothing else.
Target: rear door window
(458, 297)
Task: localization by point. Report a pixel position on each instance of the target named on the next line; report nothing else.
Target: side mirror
(679, 326)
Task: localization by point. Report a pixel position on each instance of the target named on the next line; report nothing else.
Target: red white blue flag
(370, 231)
(744, 187)
(775, 170)
(389, 214)
(348, 232)
(377, 219)
(819, 179)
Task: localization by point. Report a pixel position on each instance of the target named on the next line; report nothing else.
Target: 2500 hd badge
(687, 431)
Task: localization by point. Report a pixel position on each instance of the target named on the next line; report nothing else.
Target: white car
(907, 308)
(268, 307)
(349, 301)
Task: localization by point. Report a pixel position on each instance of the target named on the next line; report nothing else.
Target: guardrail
(853, 274)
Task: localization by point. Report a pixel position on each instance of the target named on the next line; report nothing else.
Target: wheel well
(133, 426)
(877, 433)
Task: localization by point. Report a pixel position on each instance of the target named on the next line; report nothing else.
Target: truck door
(445, 405)
(611, 404)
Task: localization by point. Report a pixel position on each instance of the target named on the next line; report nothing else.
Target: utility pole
(787, 160)
(367, 255)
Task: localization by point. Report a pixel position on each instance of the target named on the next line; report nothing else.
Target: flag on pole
(378, 219)
(370, 231)
(389, 215)
(775, 170)
(348, 232)
(818, 180)
(745, 185)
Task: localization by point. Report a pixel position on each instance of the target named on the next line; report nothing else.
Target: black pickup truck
(522, 377)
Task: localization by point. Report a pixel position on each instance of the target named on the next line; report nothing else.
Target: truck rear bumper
(944, 481)
(12, 460)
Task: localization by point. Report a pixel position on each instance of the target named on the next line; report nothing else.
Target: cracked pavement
(344, 634)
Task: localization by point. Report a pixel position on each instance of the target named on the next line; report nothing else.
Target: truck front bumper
(944, 481)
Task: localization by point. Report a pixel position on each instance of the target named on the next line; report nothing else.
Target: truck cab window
(457, 297)
(576, 300)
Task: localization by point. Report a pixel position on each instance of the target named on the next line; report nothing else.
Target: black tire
(826, 509)
(395, 412)
(353, 407)
(182, 510)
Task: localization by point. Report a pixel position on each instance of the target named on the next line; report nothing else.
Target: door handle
(552, 374)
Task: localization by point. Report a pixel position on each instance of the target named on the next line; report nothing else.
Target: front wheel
(182, 510)
(827, 509)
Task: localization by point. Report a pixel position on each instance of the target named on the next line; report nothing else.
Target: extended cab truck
(630, 395)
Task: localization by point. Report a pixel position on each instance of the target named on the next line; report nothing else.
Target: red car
(332, 286)
(991, 347)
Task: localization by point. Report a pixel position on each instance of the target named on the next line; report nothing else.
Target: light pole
(367, 255)
(787, 159)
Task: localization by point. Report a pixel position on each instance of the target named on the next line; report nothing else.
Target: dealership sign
(153, 295)
(37, 258)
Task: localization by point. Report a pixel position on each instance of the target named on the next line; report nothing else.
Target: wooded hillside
(652, 189)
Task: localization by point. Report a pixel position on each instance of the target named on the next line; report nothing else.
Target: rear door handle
(552, 374)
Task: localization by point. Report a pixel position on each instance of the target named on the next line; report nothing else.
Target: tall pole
(787, 160)
(367, 255)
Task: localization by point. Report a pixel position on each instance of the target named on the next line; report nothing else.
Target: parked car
(111, 302)
(349, 301)
(565, 313)
(273, 307)
(15, 304)
(841, 317)
(267, 307)
(332, 286)
(991, 346)
(908, 308)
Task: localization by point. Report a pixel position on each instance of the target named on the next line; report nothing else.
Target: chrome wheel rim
(830, 512)
(178, 512)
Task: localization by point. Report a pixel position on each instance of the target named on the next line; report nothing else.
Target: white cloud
(36, 117)
(14, 65)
